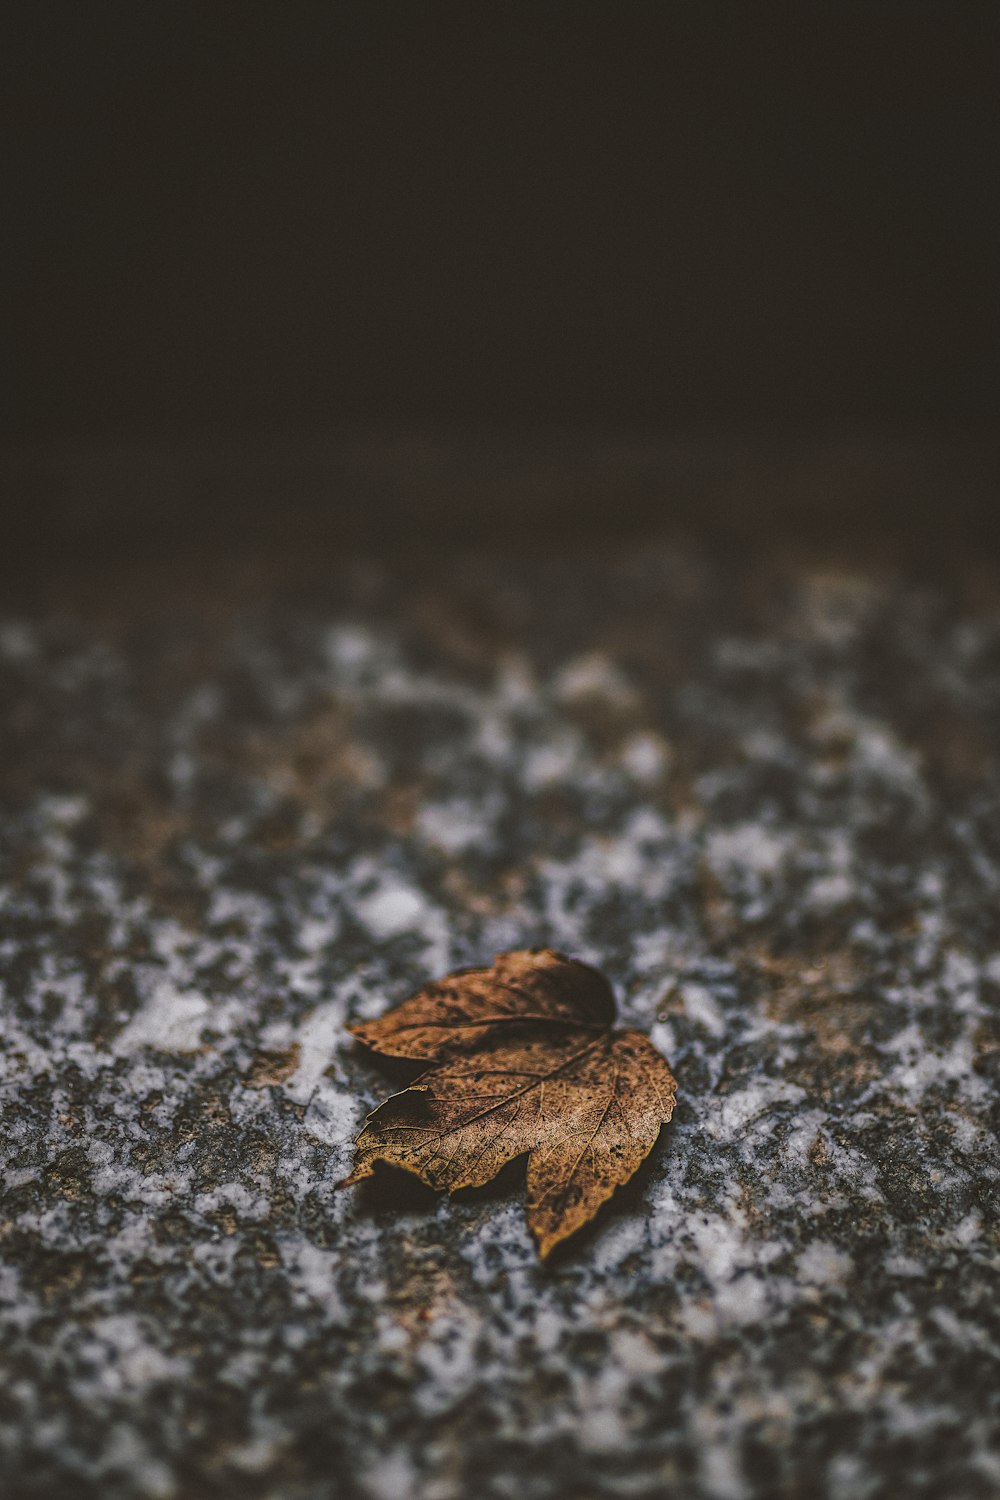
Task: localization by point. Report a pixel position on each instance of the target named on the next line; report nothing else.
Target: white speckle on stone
(602, 1430)
(733, 1112)
(720, 1474)
(881, 755)
(702, 1008)
(552, 762)
(17, 1177)
(17, 641)
(747, 846)
(636, 1354)
(317, 1037)
(922, 1067)
(516, 683)
(392, 909)
(316, 934)
(312, 1274)
(171, 1020)
(349, 647)
(663, 1038)
(593, 676)
(821, 1264)
(234, 1195)
(257, 1454)
(127, 1454)
(742, 1301)
(448, 1360)
(494, 738)
(65, 811)
(452, 826)
(903, 1265)
(829, 891)
(134, 1360)
(333, 1116)
(969, 1229)
(645, 757)
(390, 1477)
(848, 1478)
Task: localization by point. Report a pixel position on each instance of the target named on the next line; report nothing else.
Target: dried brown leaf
(526, 1063)
(473, 1006)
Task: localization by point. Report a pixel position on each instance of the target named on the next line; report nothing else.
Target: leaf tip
(358, 1175)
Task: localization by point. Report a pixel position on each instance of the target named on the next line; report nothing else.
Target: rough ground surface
(763, 797)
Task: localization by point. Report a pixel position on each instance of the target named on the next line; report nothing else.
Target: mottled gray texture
(764, 799)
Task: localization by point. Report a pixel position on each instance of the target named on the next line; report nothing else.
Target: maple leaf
(525, 1062)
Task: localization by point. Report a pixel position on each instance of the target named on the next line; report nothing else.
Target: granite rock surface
(763, 798)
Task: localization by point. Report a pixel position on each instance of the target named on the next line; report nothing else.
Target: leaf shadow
(400, 1072)
(392, 1190)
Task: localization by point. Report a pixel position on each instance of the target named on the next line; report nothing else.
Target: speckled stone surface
(764, 797)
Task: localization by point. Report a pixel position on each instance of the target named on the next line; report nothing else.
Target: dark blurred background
(414, 243)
